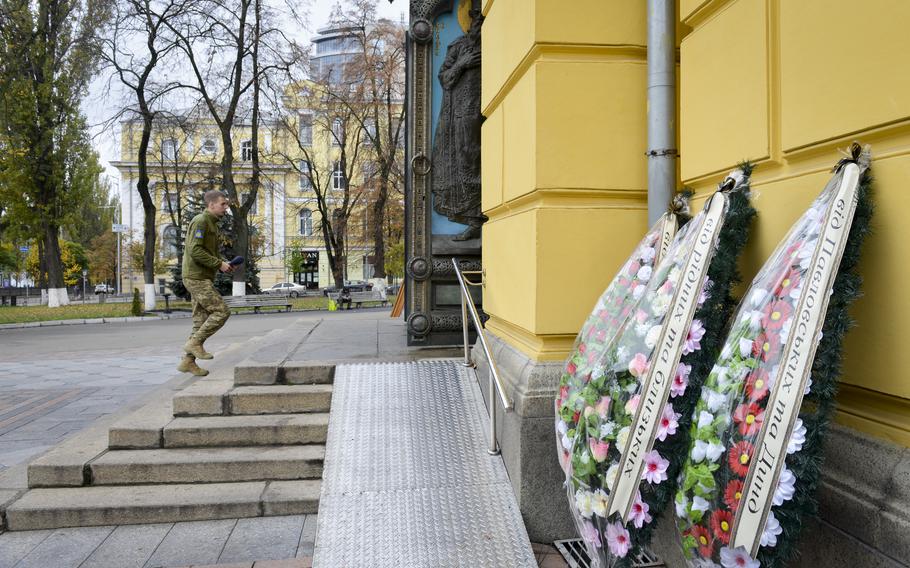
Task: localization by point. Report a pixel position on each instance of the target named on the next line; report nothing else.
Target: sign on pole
(23, 248)
(119, 228)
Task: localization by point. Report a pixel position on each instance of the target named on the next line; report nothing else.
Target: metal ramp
(408, 481)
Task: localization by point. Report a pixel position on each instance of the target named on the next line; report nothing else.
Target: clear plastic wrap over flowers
(752, 460)
(644, 332)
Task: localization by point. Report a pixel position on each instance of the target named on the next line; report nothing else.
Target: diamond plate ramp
(408, 481)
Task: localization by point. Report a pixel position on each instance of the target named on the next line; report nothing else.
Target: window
(169, 149)
(171, 202)
(189, 146)
(306, 223)
(369, 170)
(338, 179)
(209, 147)
(169, 242)
(369, 126)
(337, 132)
(246, 150)
(305, 128)
(267, 141)
(243, 199)
(305, 175)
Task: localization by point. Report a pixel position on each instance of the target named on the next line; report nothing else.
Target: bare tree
(372, 91)
(145, 23)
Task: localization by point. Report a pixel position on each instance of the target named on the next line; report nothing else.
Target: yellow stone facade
(785, 84)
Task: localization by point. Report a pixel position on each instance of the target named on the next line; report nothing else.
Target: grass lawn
(26, 314)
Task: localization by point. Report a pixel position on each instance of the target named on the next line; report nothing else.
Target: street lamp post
(84, 274)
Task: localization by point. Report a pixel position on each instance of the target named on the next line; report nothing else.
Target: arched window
(169, 241)
(339, 181)
(169, 149)
(306, 223)
(337, 132)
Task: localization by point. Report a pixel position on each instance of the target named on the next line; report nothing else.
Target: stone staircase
(243, 442)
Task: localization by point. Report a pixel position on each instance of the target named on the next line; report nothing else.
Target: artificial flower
(737, 558)
(766, 346)
(788, 283)
(667, 423)
(700, 504)
(638, 366)
(710, 450)
(681, 380)
(590, 534)
(786, 487)
(758, 297)
(705, 418)
(682, 505)
(745, 347)
(599, 449)
(610, 477)
(772, 529)
(639, 512)
(733, 493)
(776, 313)
(603, 406)
(655, 467)
(713, 399)
(653, 336)
(632, 268)
(599, 502)
(722, 524)
(621, 438)
(797, 438)
(647, 254)
(632, 404)
(749, 417)
(740, 457)
(607, 429)
(693, 339)
(703, 540)
(757, 384)
(618, 539)
(644, 273)
(583, 502)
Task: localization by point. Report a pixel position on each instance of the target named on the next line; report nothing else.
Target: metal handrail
(467, 307)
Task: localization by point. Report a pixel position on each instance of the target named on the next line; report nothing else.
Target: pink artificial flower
(737, 558)
(681, 380)
(655, 467)
(668, 423)
(632, 404)
(666, 287)
(693, 340)
(563, 395)
(590, 534)
(641, 316)
(638, 366)
(565, 462)
(599, 449)
(571, 368)
(639, 513)
(618, 539)
(633, 268)
(603, 406)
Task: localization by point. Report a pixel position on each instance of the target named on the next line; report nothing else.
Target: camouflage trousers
(209, 310)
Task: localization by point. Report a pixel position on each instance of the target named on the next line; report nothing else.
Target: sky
(101, 104)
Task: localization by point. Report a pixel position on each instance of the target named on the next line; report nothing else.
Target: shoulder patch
(198, 234)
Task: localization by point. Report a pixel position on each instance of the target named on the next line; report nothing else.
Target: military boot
(188, 365)
(194, 347)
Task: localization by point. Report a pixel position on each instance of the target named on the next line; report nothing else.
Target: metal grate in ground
(408, 481)
(575, 555)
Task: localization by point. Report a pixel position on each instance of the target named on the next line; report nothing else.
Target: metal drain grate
(574, 553)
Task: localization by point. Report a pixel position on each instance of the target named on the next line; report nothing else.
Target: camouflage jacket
(201, 258)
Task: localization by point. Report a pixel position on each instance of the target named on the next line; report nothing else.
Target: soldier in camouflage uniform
(201, 260)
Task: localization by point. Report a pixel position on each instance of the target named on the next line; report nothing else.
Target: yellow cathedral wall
(785, 84)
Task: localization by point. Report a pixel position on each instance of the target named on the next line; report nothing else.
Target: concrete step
(208, 465)
(139, 504)
(260, 430)
(259, 372)
(280, 399)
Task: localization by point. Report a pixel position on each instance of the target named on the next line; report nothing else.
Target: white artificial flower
(673, 276)
(647, 254)
(639, 291)
(584, 503)
(808, 386)
(622, 353)
(796, 292)
(610, 477)
(607, 429)
(660, 305)
(772, 529)
(786, 487)
(745, 347)
(652, 336)
(700, 504)
(727, 351)
(713, 399)
(758, 297)
(737, 558)
(682, 506)
(705, 418)
(642, 329)
(644, 273)
(714, 451)
(699, 451)
(797, 438)
(599, 503)
(785, 330)
(622, 438)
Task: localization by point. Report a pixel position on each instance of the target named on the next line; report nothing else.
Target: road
(56, 381)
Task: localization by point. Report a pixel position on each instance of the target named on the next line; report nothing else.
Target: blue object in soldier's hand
(236, 261)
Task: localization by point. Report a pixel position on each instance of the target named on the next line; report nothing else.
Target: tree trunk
(148, 207)
(378, 235)
(56, 290)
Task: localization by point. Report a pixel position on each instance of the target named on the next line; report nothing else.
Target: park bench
(258, 301)
(358, 298)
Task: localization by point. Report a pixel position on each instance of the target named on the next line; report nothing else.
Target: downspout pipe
(662, 120)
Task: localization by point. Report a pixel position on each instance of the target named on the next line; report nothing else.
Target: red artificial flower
(776, 313)
(624, 282)
(603, 315)
(575, 417)
(740, 457)
(582, 347)
(601, 336)
(721, 525)
(563, 394)
(757, 384)
(749, 417)
(793, 251)
(733, 493)
(703, 538)
(790, 281)
(571, 368)
(767, 347)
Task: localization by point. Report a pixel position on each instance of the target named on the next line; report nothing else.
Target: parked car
(104, 289)
(352, 285)
(291, 289)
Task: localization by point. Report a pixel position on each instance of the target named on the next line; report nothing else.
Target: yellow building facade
(785, 84)
(184, 161)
